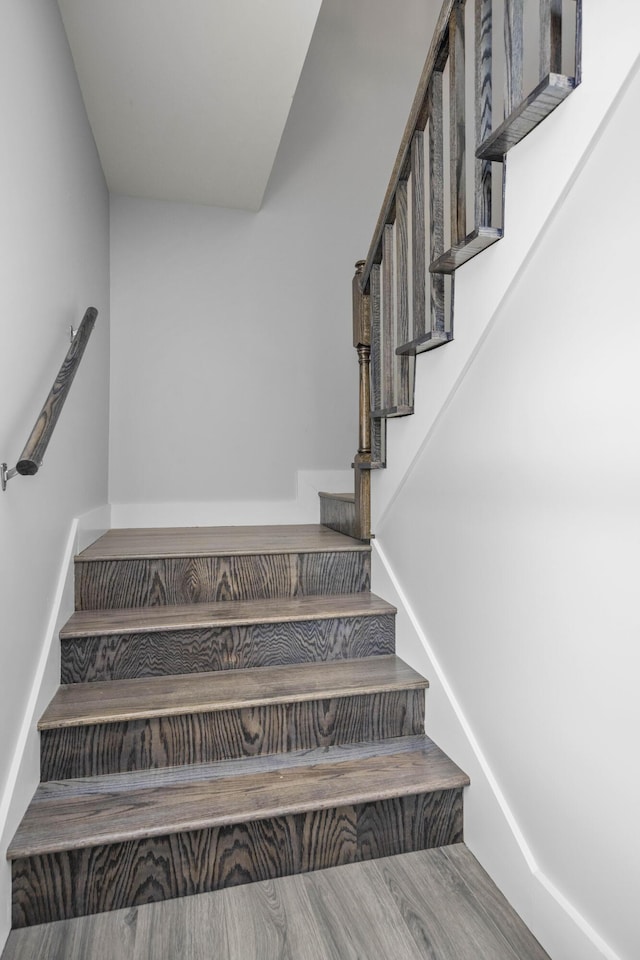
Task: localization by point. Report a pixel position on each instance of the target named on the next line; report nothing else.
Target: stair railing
(403, 293)
(35, 448)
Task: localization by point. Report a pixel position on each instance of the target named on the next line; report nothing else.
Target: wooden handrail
(32, 456)
(417, 121)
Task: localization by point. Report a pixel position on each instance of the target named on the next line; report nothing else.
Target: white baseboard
(492, 831)
(24, 772)
(303, 508)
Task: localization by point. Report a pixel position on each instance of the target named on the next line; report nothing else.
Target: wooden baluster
(578, 41)
(483, 28)
(513, 48)
(362, 460)
(418, 236)
(436, 194)
(377, 429)
(550, 37)
(457, 124)
(403, 372)
(388, 331)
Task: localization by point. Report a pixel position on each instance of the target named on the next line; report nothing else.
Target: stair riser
(339, 515)
(109, 584)
(96, 879)
(125, 656)
(98, 749)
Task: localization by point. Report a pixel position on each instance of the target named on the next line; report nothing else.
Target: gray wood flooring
(81, 703)
(79, 814)
(218, 541)
(432, 905)
(187, 616)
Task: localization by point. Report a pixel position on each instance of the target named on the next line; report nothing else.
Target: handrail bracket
(6, 475)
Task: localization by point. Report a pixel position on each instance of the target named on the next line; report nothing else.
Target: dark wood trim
(542, 101)
(473, 244)
(513, 51)
(418, 228)
(418, 115)
(457, 125)
(484, 96)
(36, 446)
(550, 37)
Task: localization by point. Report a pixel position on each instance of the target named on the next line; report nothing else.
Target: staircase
(404, 292)
(232, 710)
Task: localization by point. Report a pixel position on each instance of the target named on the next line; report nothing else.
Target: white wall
(231, 351)
(54, 263)
(513, 540)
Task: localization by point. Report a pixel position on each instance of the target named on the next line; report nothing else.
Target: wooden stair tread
(70, 818)
(473, 244)
(391, 413)
(428, 341)
(111, 701)
(151, 543)
(542, 101)
(189, 616)
(345, 497)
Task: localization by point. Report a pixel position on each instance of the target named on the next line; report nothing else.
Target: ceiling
(188, 99)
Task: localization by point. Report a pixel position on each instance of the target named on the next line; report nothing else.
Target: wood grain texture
(483, 107)
(270, 919)
(418, 237)
(36, 446)
(339, 513)
(89, 880)
(200, 650)
(436, 200)
(107, 810)
(388, 319)
(188, 616)
(447, 914)
(473, 244)
(550, 37)
(429, 341)
(378, 429)
(376, 338)
(542, 101)
(82, 703)
(349, 908)
(514, 52)
(156, 582)
(151, 542)
(417, 121)
(361, 310)
(195, 738)
(372, 910)
(457, 128)
(481, 896)
(77, 790)
(403, 364)
(363, 496)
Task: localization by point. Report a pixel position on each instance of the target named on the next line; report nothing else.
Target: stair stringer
(540, 172)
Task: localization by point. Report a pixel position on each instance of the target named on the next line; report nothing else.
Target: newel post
(362, 460)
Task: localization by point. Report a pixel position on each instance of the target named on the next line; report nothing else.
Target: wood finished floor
(436, 904)
(76, 814)
(187, 616)
(118, 700)
(149, 543)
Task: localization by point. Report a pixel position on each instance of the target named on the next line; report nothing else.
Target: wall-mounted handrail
(32, 456)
